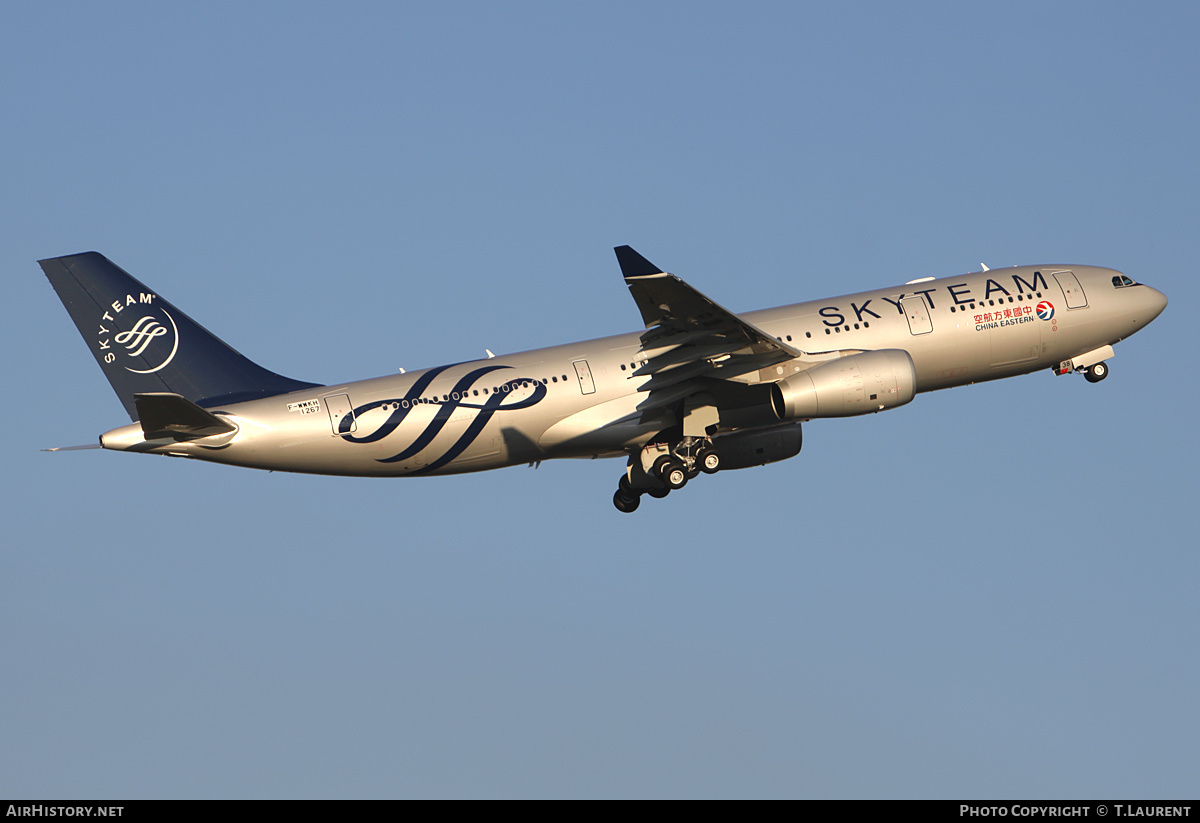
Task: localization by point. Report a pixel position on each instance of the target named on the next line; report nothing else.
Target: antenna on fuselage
(985, 268)
(489, 353)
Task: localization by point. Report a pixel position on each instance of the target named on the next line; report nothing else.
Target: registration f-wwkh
(700, 390)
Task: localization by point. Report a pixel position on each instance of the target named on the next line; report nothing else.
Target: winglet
(633, 264)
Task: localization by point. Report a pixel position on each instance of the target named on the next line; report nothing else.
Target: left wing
(689, 337)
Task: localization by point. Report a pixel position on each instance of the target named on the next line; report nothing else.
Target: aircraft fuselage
(582, 399)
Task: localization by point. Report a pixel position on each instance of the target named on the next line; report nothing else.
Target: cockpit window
(1121, 281)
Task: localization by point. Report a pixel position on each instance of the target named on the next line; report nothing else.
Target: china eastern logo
(1045, 310)
(134, 328)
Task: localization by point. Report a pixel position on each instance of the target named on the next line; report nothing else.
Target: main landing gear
(660, 469)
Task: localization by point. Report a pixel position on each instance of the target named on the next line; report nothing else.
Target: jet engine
(757, 447)
(856, 384)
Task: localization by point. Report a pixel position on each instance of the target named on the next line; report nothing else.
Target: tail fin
(145, 345)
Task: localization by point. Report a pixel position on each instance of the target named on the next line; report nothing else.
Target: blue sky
(989, 592)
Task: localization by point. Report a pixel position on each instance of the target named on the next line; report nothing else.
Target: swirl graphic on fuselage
(400, 408)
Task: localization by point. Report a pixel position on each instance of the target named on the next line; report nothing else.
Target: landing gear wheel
(660, 467)
(1096, 373)
(659, 494)
(673, 474)
(626, 502)
(709, 461)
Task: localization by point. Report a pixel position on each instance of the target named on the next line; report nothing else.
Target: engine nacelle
(757, 447)
(856, 384)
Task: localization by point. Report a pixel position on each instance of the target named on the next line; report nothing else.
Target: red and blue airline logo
(1045, 310)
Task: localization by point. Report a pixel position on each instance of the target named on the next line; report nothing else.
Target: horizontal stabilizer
(163, 414)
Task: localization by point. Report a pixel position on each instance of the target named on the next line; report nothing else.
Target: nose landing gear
(1091, 363)
(1096, 373)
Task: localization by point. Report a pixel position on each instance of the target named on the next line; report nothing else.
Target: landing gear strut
(660, 468)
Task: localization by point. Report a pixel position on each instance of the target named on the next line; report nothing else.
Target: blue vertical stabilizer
(144, 344)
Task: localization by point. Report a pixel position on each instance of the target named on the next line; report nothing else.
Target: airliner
(699, 390)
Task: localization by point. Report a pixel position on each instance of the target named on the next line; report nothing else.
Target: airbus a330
(699, 390)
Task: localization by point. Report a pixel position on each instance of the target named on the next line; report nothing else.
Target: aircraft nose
(1156, 301)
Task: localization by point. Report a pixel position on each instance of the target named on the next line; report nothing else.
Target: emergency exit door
(586, 384)
(341, 414)
(1067, 281)
(918, 315)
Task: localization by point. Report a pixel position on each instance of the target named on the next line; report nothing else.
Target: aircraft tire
(625, 502)
(659, 494)
(660, 467)
(709, 461)
(1096, 373)
(674, 474)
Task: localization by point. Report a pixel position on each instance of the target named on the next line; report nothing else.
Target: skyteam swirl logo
(141, 335)
(134, 328)
(510, 395)
(1045, 310)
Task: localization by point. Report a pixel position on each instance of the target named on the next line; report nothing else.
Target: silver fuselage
(582, 399)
